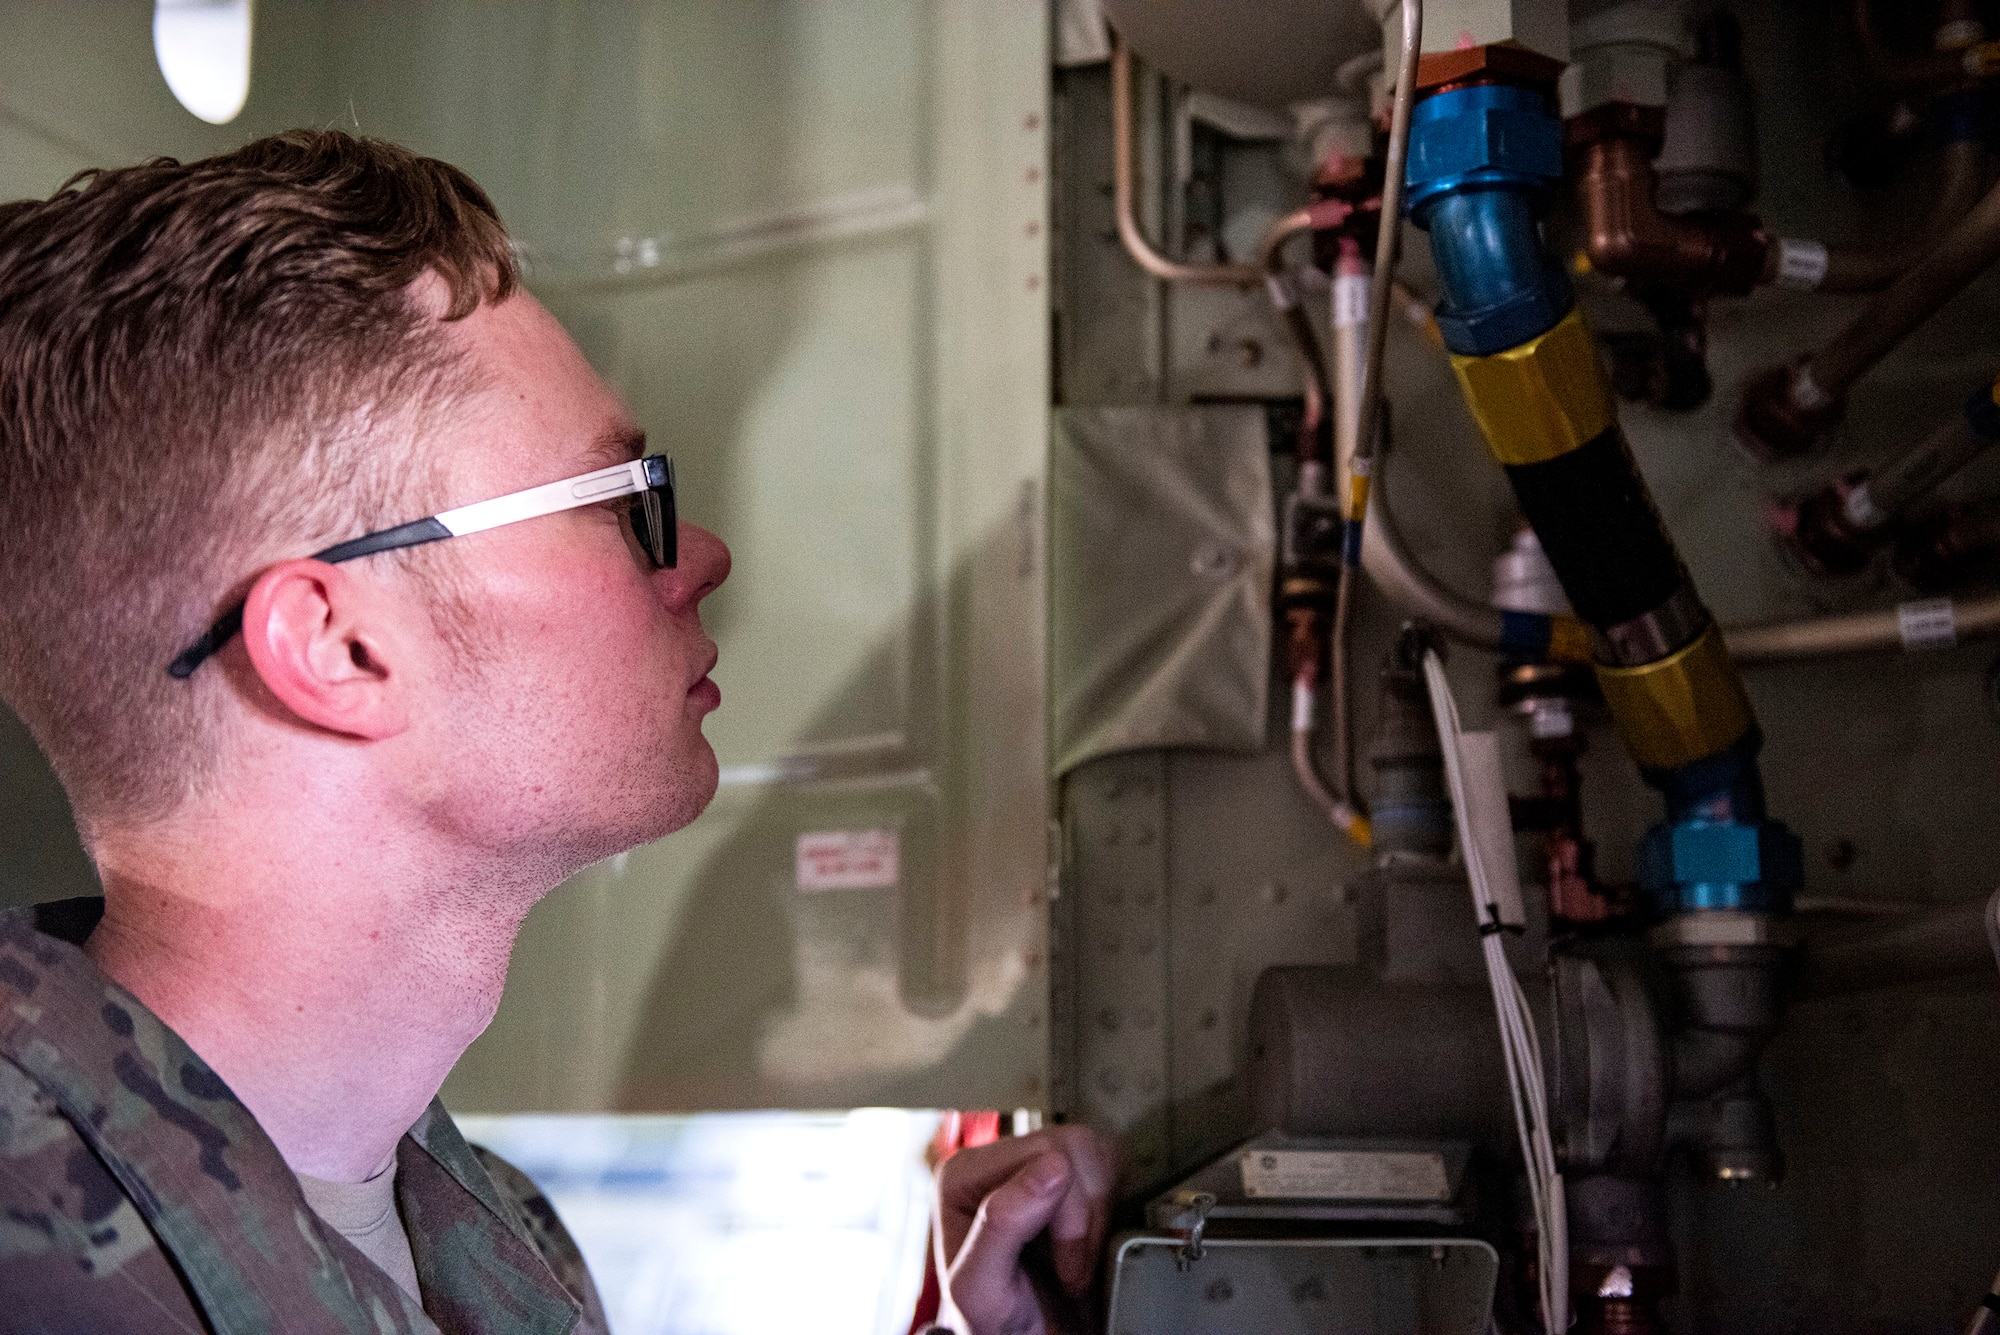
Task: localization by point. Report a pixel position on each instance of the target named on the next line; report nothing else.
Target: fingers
(1077, 1230)
(964, 1179)
(986, 1281)
(1077, 1225)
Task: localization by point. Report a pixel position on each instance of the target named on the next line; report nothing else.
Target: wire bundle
(1526, 1077)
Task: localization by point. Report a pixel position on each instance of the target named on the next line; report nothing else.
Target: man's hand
(995, 1204)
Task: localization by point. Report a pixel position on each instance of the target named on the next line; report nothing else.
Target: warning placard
(849, 859)
(1350, 1175)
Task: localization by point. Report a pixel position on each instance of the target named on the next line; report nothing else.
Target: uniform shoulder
(546, 1230)
(74, 1252)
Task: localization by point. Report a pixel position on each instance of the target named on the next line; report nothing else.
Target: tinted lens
(654, 523)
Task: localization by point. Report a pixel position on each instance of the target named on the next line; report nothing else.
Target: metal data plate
(1321, 1178)
(1326, 1286)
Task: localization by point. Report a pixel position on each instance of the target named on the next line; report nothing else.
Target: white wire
(1519, 1044)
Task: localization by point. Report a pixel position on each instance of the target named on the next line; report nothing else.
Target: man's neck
(332, 992)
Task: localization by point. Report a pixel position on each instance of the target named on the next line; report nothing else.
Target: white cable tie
(1281, 292)
(1859, 508)
(1801, 263)
(1304, 698)
(1927, 623)
(1350, 301)
(1806, 392)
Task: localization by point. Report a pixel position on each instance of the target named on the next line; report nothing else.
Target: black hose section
(1708, 1061)
(1598, 526)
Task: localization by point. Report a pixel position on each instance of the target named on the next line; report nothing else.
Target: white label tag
(1860, 508)
(1346, 1175)
(1350, 300)
(1491, 822)
(1800, 263)
(1927, 623)
(849, 860)
(1551, 718)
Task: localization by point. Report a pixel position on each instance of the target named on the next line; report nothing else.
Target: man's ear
(318, 640)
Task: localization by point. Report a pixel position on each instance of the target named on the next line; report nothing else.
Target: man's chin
(689, 789)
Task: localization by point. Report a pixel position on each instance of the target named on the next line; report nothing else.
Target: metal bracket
(1189, 1224)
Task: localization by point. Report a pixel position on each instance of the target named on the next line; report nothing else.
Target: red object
(956, 1131)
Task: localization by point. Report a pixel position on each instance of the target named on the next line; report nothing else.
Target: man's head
(207, 371)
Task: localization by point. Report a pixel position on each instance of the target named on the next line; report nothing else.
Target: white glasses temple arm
(603, 485)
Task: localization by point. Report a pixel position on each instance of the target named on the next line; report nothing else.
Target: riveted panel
(1115, 885)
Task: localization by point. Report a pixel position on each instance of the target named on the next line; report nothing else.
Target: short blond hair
(196, 364)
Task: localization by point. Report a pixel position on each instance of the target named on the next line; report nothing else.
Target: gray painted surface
(40, 857)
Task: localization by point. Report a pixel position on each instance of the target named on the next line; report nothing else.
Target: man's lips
(704, 691)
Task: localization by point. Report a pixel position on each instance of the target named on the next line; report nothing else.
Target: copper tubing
(1626, 236)
(1966, 165)
(1967, 251)
(1124, 191)
(1298, 327)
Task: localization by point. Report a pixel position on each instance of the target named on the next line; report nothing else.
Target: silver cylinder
(1334, 1055)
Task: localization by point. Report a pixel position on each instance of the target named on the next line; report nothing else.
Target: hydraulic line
(1966, 166)
(1366, 417)
(1954, 66)
(1350, 331)
(1928, 623)
(1965, 253)
(1125, 189)
(1485, 155)
(1298, 327)
(1839, 529)
(1304, 584)
(1789, 409)
(1917, 626)
(1387, 243)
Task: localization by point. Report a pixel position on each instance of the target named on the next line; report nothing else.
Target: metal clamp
(1196, 1204)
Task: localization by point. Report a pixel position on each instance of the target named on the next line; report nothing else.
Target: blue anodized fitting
(1482, 163)
(1699, 865)
(1717, 849)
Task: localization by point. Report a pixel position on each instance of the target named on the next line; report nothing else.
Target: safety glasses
(649, 482)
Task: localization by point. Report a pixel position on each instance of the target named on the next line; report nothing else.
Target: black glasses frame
(651, 511)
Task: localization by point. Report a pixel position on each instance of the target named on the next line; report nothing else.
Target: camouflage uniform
(137, 1194)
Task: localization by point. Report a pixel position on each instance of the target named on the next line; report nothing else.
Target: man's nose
(702, 566)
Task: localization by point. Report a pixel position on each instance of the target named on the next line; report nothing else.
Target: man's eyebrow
(619, 445)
